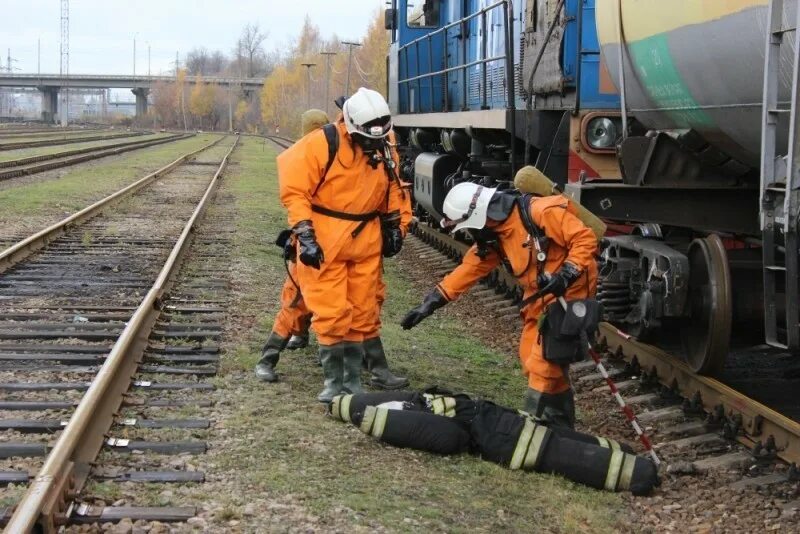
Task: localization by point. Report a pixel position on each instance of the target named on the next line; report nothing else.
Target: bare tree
(201, 61)
(249, 52)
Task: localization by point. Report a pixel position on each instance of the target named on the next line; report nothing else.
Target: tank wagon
(653, 116)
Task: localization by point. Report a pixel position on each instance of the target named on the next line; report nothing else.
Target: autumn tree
(165, 105)
(180, 96)
(202, 101)
(370, 60)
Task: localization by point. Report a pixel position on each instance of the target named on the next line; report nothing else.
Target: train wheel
(707, 335)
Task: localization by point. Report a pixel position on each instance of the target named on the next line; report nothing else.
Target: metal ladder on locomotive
(780, 187)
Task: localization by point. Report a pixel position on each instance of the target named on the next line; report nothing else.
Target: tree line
(288, 86)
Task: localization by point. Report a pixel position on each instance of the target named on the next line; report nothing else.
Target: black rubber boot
(270, 354)
(332, 358)
(297, 342)
(375, 358)
(553, 409)
(353, 356)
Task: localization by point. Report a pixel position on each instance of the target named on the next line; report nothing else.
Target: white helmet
(465, 206)
(367, 113)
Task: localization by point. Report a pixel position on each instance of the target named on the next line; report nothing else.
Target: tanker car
(650, 113)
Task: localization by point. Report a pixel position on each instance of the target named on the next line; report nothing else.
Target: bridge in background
(51, 84)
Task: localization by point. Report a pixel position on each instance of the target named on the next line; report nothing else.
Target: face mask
(368, 144)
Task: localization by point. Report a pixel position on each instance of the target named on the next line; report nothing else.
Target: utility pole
(39, 57)
(230, 111)
(350, 46)
(134, 57)
(148, 60)
(308, 83)
(65, 62)
(328, 56)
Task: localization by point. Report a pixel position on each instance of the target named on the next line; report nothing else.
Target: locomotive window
(422, 13)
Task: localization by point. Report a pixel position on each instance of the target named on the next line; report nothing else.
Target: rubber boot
(270, 354)
(375, 358)
(353, 356)
(298, 342)
(332, 358)
(553, 409)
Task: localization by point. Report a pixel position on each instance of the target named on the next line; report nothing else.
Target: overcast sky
(101, 33)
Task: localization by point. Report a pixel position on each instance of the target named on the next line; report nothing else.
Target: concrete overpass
(51, 84)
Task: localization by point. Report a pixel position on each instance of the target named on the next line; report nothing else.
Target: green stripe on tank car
(659, 76)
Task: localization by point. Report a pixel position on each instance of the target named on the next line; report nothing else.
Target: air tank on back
(696, 64)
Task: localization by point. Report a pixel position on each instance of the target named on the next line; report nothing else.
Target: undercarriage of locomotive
(661, 284)
(679, 293)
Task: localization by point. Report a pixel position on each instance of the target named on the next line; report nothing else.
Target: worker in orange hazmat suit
(344, 218)
(552, 254)
(294, 318)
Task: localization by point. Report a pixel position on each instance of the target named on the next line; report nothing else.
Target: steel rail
(283, 142)
(81, 156)
(76, 151)
(758, 422)
(31, 244)
(65, 141)
(43, 133)
(46, 503)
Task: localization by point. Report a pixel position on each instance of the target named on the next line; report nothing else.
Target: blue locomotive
(651, 113)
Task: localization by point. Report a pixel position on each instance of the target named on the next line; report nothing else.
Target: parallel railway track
(45, 162)
(282, 142)
(43, 133)
(97, 305)
(66, 140)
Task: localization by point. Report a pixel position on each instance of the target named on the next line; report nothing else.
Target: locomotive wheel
(706, 337)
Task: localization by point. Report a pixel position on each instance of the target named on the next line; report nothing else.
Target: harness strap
(363, 218)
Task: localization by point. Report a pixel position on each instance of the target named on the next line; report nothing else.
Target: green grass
(41, 202)
(345, 479)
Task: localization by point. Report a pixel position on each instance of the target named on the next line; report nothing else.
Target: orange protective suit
(405, 220)
(294, 317)
(342, 293)
(570, 240)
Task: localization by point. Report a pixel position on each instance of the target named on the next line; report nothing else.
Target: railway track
(45, 162)
(66, 141)
(43, 133)
(699, 424)
(105, 345)
(283, 142)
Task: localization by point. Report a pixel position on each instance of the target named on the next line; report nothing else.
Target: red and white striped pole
(629, 415)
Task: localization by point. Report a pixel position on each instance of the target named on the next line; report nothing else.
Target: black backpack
(332, 137)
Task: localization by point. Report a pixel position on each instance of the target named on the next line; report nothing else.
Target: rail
(756, 421)
(31, 244)
(65, 140)
(74, 152)
(35, 164)
(46, 501)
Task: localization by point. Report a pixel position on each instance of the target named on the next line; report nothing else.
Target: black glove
(558, 283)
(433, 301)
(285, 241)
(310, 251)
(391, 234)
(392, 241)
